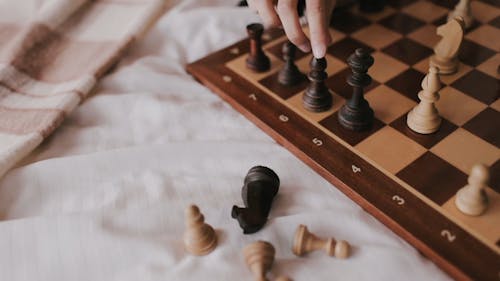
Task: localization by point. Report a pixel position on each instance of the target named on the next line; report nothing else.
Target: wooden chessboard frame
(431, 232)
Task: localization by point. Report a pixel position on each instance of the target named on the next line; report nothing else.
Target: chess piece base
(471, 207)
(356, 119)
(314, 103)
(200, 246)
(423, 124)
(290, 77)
(260, 63)
(444, 67)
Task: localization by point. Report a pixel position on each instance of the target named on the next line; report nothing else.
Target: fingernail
(319, 51)
(306, 48)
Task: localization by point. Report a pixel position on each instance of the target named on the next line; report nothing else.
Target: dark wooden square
(401, 23)
(285, 92)
(408, 51)
(486, 125)
(479, 86)
(433, 177)
(398, 4)
(426, 141)
(474, 54)
(495, 176)
(347, 22)
(276, 51)
(346, 47)
(351, 137)
(408, 83)
(495, 22)
(450, 4)
(338, 84)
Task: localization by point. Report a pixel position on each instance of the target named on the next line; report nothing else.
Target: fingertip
(305, 47)
(319, 50)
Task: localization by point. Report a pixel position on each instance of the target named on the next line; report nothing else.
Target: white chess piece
(471, 199)
(199, 237)
(463, 10)
(424, 118)
(445, 56)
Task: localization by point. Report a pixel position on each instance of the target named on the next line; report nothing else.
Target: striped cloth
(52, 53)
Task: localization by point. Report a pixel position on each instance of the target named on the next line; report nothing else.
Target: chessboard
(406, 180)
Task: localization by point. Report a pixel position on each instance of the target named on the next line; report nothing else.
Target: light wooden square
(483, 12)
(496, 105)
(423, 66)
(390, 149)
(385, 67)
(388, 104)
(376, 36)
(425, 11)
(458, 107)
(463, 149)
(296, 103)
(238, 65)
(487, 36)
(486, 224)
(426, 36)
(334, 65)
(490, 66)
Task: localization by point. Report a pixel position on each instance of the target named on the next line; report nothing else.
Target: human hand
(284, 13)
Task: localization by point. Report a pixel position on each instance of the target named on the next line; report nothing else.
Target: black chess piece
(289, 75)
(371, 6)
(356, 114)
(317, 97)
(260, 186)
(257, 59)
(242, 3)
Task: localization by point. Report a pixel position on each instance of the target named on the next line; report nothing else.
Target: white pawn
(463, 10)
(259, 257)
(471, 199)
(199, 237)
(424, 118)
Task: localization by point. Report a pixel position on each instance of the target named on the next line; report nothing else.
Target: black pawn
(317, 97)
(289, 75)
(356, 114)
(260, 186)
(256, 60)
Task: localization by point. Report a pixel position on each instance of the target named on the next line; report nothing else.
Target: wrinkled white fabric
(104, 197)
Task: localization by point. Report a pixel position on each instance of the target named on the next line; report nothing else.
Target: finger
(287, 12)
(267, 13)
(318, 26)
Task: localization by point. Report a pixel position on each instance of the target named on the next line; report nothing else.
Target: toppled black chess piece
(257, 59)
(260, 186)
(317, 97)
(290, 74)
(357, 114)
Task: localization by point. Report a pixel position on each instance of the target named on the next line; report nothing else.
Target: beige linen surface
(103, 197)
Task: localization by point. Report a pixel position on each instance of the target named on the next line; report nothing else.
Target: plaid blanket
(52, 53)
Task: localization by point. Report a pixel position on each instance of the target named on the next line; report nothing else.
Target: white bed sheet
(104, 197)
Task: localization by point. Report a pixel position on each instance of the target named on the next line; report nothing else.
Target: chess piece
(357, 114)
(260, 186)
(259, 257)
(462, 10)
(317, 97)
(257, 59)
(445, 56)
(199, 237)
(424, 118)
(305, 242)
(289, 75)
(471, 199)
